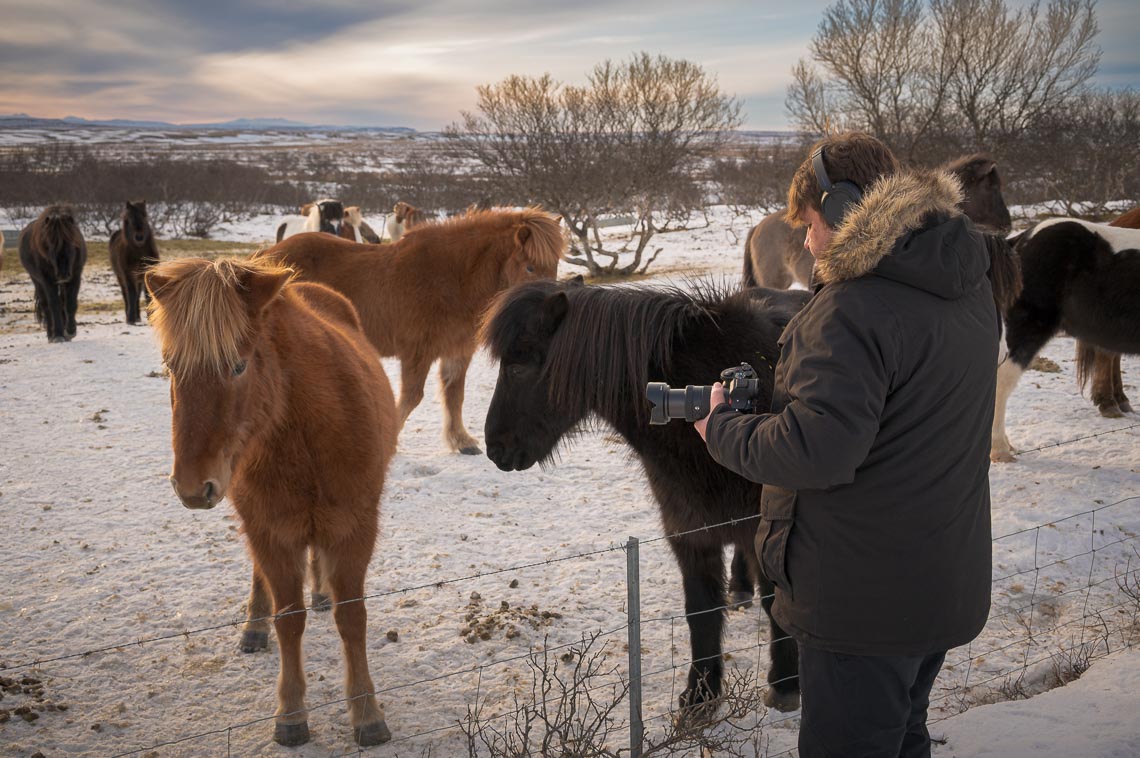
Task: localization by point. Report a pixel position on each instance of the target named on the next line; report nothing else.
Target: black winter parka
(875, 514)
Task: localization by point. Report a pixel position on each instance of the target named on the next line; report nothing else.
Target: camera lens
(691, 403)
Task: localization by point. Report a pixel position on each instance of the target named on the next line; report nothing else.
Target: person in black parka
(875, 514)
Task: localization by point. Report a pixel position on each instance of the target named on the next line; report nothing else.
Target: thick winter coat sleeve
(838, 369)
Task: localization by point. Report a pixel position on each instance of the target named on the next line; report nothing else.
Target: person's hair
(854, 157)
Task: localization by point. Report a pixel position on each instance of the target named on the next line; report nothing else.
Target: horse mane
(50, 233)
(199, 314)
(1005, 270)
(540, 235)
(640, 325)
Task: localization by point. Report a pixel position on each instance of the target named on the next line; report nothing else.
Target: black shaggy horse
(1077, 276)
(133, 252)
(569, 352)
(53, 252)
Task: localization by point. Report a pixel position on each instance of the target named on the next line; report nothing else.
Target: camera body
(741, 389)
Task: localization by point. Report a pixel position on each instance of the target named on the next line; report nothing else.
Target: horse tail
(1005, 271)
(748, 278)
(541, 237)
(1086, 360)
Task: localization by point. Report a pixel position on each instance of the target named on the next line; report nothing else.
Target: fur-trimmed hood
(908, 228)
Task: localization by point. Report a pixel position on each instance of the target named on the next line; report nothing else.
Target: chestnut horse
(1107, 381)
(774, 253)
(420, 299)
(133, 251)
(54, 252)
(279, 402)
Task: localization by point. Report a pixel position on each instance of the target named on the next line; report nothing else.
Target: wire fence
(1039, 634)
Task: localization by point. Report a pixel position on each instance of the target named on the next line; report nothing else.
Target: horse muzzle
(509, 459)
(209, 496)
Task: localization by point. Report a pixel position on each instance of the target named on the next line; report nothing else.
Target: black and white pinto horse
(318, 216)
(1077, 276)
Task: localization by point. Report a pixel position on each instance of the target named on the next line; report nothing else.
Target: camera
(741, 387)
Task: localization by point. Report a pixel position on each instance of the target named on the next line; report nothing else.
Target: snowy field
(129, 602)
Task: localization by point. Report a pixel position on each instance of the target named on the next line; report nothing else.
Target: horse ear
(984, 167)
(155, 283)
(553, 310)
(262, 287)
(576, 281)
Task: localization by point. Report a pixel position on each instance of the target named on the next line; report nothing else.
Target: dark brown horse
(54, 252)
(420, 299)
(133, 251)
(568, 354)
(279, 403)
(774, 253)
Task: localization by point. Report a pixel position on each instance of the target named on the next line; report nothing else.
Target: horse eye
(515, 369)
(530, 269)
(239, 368)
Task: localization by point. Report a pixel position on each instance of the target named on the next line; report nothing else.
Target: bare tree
(628, 142)
(970, 71)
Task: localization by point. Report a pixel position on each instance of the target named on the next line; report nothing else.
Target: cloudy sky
(398, 62)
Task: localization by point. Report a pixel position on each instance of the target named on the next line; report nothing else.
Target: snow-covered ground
(99, 559)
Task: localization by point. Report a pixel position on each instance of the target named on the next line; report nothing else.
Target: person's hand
(716, 399)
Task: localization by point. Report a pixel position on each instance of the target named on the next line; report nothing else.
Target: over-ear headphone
(837, 198)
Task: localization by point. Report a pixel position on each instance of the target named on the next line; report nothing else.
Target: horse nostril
(209, 490)
(174, 484)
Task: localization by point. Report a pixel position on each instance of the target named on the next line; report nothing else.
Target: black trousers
(862, 706)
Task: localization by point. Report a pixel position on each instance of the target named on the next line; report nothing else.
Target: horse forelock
(967, 167)
(55, 231)
(200, 315)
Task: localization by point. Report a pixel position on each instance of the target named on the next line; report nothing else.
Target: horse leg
(71, 303)
(284, 571)
(1118, 386)
(453, 376)
(255, 633)
(54, 314)
(783, 692)
(347, 566)
(1028, 328)
(740, 581)
(319, 588)
(133, 297)
(413, 374)
(1103, 391)
(702, 574)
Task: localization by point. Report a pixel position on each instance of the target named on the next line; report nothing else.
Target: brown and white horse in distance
(318, 216)
(404, 217)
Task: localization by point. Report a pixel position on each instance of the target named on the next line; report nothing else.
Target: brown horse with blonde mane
(421, 298)
(279, 402)
(54, 252)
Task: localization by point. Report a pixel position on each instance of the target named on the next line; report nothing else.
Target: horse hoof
(291, 735)
(57, 339)
(740, 599)
(471, 450)
(1111, 411)
(1002, 456)
(321, 602)
(784, 702)
(376, 733)
(1126, 407)
(251, 642)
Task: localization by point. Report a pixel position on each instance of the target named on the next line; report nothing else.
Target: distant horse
(571, 353)
(319, 216)
(355, 228)
(133, 251)
(421, 298)
(54, 252)
(774, 254)
(1107, 380)
(1077, 276)
(279, 402)
(404, 217)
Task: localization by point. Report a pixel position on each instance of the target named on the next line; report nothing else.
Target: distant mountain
(24, 121)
